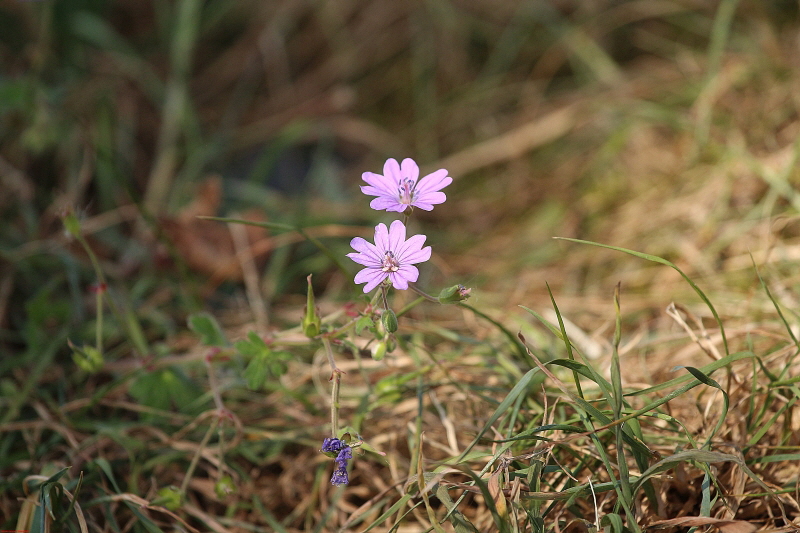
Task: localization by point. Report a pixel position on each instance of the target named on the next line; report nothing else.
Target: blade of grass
(287, 227)
(725, 402)
(565, 338)
(662, 261)
(520, 388)
(520, 348)
(781, 315)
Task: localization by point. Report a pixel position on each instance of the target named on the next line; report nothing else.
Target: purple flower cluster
(392, 256)
(331, 446)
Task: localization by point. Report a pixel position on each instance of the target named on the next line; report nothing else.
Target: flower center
(389, 263)
(406, 191)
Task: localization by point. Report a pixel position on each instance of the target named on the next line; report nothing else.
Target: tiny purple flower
(398, 188)
(332, 444)
(392, 256)
(344, 454)
(339, 476)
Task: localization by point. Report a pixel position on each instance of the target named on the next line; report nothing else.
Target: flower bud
(169, 497)
(72, 224)
(312, 324)
(87, 358)
(224, 487)
(389, 320)
(454, 294)
(379, 350)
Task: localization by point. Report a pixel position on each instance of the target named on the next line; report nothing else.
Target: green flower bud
(224, 487)
(454, 294)
(169, 497)
(389, 320)
(379, 350)
(312, 324)
(87, 358)
(72, 224)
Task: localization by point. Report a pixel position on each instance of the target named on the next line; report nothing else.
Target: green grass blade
(780, 314)
(704, 379)
(396, 506)
(520, 388)
(460, 523)
(565, 338)
(707, 370)
(670, 264)
(520, 348)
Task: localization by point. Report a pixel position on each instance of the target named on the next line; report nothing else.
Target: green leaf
(208, 328)
(263, 362)
(257, 371)
(166, 389)
(364, 322)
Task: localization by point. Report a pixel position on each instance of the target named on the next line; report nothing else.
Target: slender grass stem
(196, 457)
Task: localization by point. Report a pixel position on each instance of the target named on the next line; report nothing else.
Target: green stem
(422, 293)
(337, 378)
(212, 382)
(101, 289)
(384, 296)
(329, 352)
(411, 306)
(196, 457)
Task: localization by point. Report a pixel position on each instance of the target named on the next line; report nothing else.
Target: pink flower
(392, 256)
(398, 188)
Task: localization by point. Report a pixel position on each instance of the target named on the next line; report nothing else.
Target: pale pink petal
(413, 244)
(434, 181)
(364, 259)
(387, 203)
(391, 171)
(409, 272)
(381, 183)
(423, 206)
(364, 246)
(429, 198)
(373, 191)
(397, 236)
(397, 281)
(405, 274)
(419, 256)
(381, 239)
(409, 169)
(377, 184)
(372, 276)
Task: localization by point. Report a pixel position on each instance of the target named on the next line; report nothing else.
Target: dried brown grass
(541, 144)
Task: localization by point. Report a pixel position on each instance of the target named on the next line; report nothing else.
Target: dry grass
(610, 122)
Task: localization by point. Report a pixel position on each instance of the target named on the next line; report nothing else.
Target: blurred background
(665, 126)
(658, 125)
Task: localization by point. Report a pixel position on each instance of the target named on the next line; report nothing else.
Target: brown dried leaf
(207, 247)
(497, 494)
